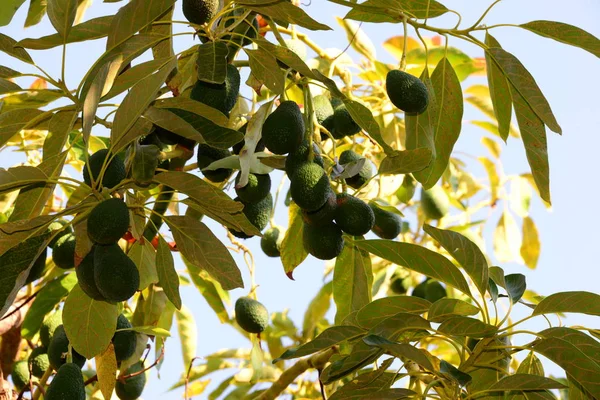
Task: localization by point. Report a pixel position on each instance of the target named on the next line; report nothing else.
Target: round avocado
(114, 173)
(365, 173)
(59, 225)
(251, 315)
(59, 346)
(200, 11)
(63, 253)
(124, 341)
(67, 384)
(407, 92)
(39, 361)
(353, 215)
(256, 189)
(283, 130)
(271, 241)
(108, 221)
(397, 285)
(343, 124)
(116, 275)
(387, 224)
(300, 155)
(37, 270)
(310, 186)
(324, 242)
(20, 375)
(131, 388)
(257, 213)
(49, 326)
(206, 156)
(85, 277)
(430, 290)
(220, 96)
(434, 202)
(170, 138)
(323, 215)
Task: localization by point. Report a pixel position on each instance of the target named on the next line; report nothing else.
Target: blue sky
(568, 77)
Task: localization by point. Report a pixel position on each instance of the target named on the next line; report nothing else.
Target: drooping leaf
(515, 286)
(284, 11)
(133, 75)
(211, 290)
(565, 33)
(361, 355)
(381, 309)
(186, 326)
(143, 255)
(8, 8)
(212, 62)
(507, 238)
(106, 369)
(420, 131)
(62, 15)
(352, 281)
(167, 275)
(35, 13)
(8, 46)
(317, 309)
(11, 122)
(499, 91)
(465, 326)
(405, 161)
(575, 302)
(173, 123)
(265, 69)
(530, 248)
(292, 249)
(493, 176)
(403, 351)
(59, 127)
(89, 30)
(445, 308)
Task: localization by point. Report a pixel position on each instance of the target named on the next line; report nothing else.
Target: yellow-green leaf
(167, 275)
(445, 308)
(89, 30)
(142, 253)
(490, 167)
(106, 369)
(507, 239)
(62, 15)
(530, 248)
(499, 91)
(292, 250)
(381, 309)
(575, 302)
(352, 281)
(565, 33)
(188, 335)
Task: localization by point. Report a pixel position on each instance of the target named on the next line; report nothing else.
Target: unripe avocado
(124, 341)
(63, 254)
(39, 361)
(206, 156)
(343, 124)
(243, 33)
(85, 276)
(170, 138)
(310, 186)
(472, 342)
(58, 348)
(251, 315)
(300, 155)
(353, 215)
(283, 130)
(20, 375)
(271, 241)
(323, 215)
(116, 275)
(114, 173)
(37, 270)
(430, 290)
(324, 242)
(257, 213)
(298, 47)
(407, 190)
(323, 111)
(387, 224)
(59, 225)
(67, 384)
(256, 189)
(48, 327)
(365, 173)
(434, 202)
(221, 96)
(200, 11)
(407, 92)
(132, 387)
(108, 221)
(398, 285)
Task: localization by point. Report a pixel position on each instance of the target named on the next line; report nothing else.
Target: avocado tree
(182, 128)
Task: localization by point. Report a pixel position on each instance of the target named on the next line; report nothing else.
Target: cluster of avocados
(333, 115)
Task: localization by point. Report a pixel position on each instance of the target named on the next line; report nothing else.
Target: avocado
(37, 270)
(244, 32)
(59, 346)
(131, 388)
(323, 215)
(221, 96)
(124, 341)
(114, 173)
(353, 215)
(116, 275)
(85, 277)
(323, 110)
(283, 130)
(48, 327)
(398, 285)
(251, 315)
(365, 173)
(256, 189)
(310, 186)
(299, 156)
(206, 156)
(407, 190)
(472, 342)
(343, 124)
(430, 290)
(271, 241)
(20, 375)
(171, 139)
(257, 213)
(39, 361)
(59, 225)
(324, 242)
(388, 225)
(407, 92)
(200, 11)
(434, 202)
(63, 254)
(108, 221)
(67, 384)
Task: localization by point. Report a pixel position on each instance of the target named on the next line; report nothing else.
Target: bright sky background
(568, 77)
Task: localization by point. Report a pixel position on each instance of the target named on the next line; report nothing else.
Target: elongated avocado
(116, 275)
(434, 202)
(387, 224)
(283, 130)
(251, 315)
(257, 213)
(48, 327)
(59, 346)
(85, 276)
(310, 187)
(271, 241)
(124, 341)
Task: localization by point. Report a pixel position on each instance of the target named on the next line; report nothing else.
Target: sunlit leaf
(62, 15)
(186, 326)
(402, 351)
(465, 326)
(507, 239)
(89, 30)
(144, 257)
(352, 281)
(106, 369)
(565, 33)
(212, 62)
(284, 11)
(381, 309)
(530, 248)
(445, 308)
(576, 302)
(499, 91)
(292, 250)
(211, 290)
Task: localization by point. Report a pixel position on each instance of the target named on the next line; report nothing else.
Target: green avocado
(324, 242)
(221, 96)
(353, 215)
(343, 124)
(39, 361)
(116, 275)
(20, 375)
(365, 173)
(251, 315)
(108, 221)
(398, 285)
(271, 241)
(85, 276)
(257, 188)
(67, 384)
(124, 341)
(323, 215)
(37, 270)
(388, 225)
(310, 187)
(407, 92)
(48, 327)
(132, 387)
(63, 254)
(171, 139)
(244, 32)
(434, 202)
(323, 111)
(300, 155)
(114, 173)
(59, 346)
(257, 213)
(58, 225)
(297, 47)
(206, 156)
(407, 190)
(430, 290)
(283, 130)
(200, 11)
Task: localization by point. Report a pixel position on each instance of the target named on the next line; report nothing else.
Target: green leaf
(352, 281)
(292, 250)
(150, 307)
(402, 327)
(8, 8)
(454, 373)
(525, 382)
(499, 91)
(213, 134)
(188, 335)
(211, 290)
(530, 248)
(515, 286)
(265, 69)
(13, 233)
(212, 62)
(194, 107)
(30, 99)
(376, 10)
(381, 309)
(234, 220)
(465, 326)
(62, 15)
(138, 99)
(7, 45)
(507, 238)
(467, 253)
(361, 355)
(89, 324)
(402, 351)
(286, 56)
(140, 128)
(7, 86)
(7, 73)
(149, 330)
(144, 162)
(575, 302)
(328, 338)
(419, 259)
(405, 161)
(133, 75)
(35, 13)
(565, 33)
(286, 12)
(317, 309)
(167, 275)
(45, 301)
(173, 123)
(164, 49)
(142, 253)
(531, 365)
(202, 248)
(133, 17)
(488, 364)
(59, 127)
(446, 308)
